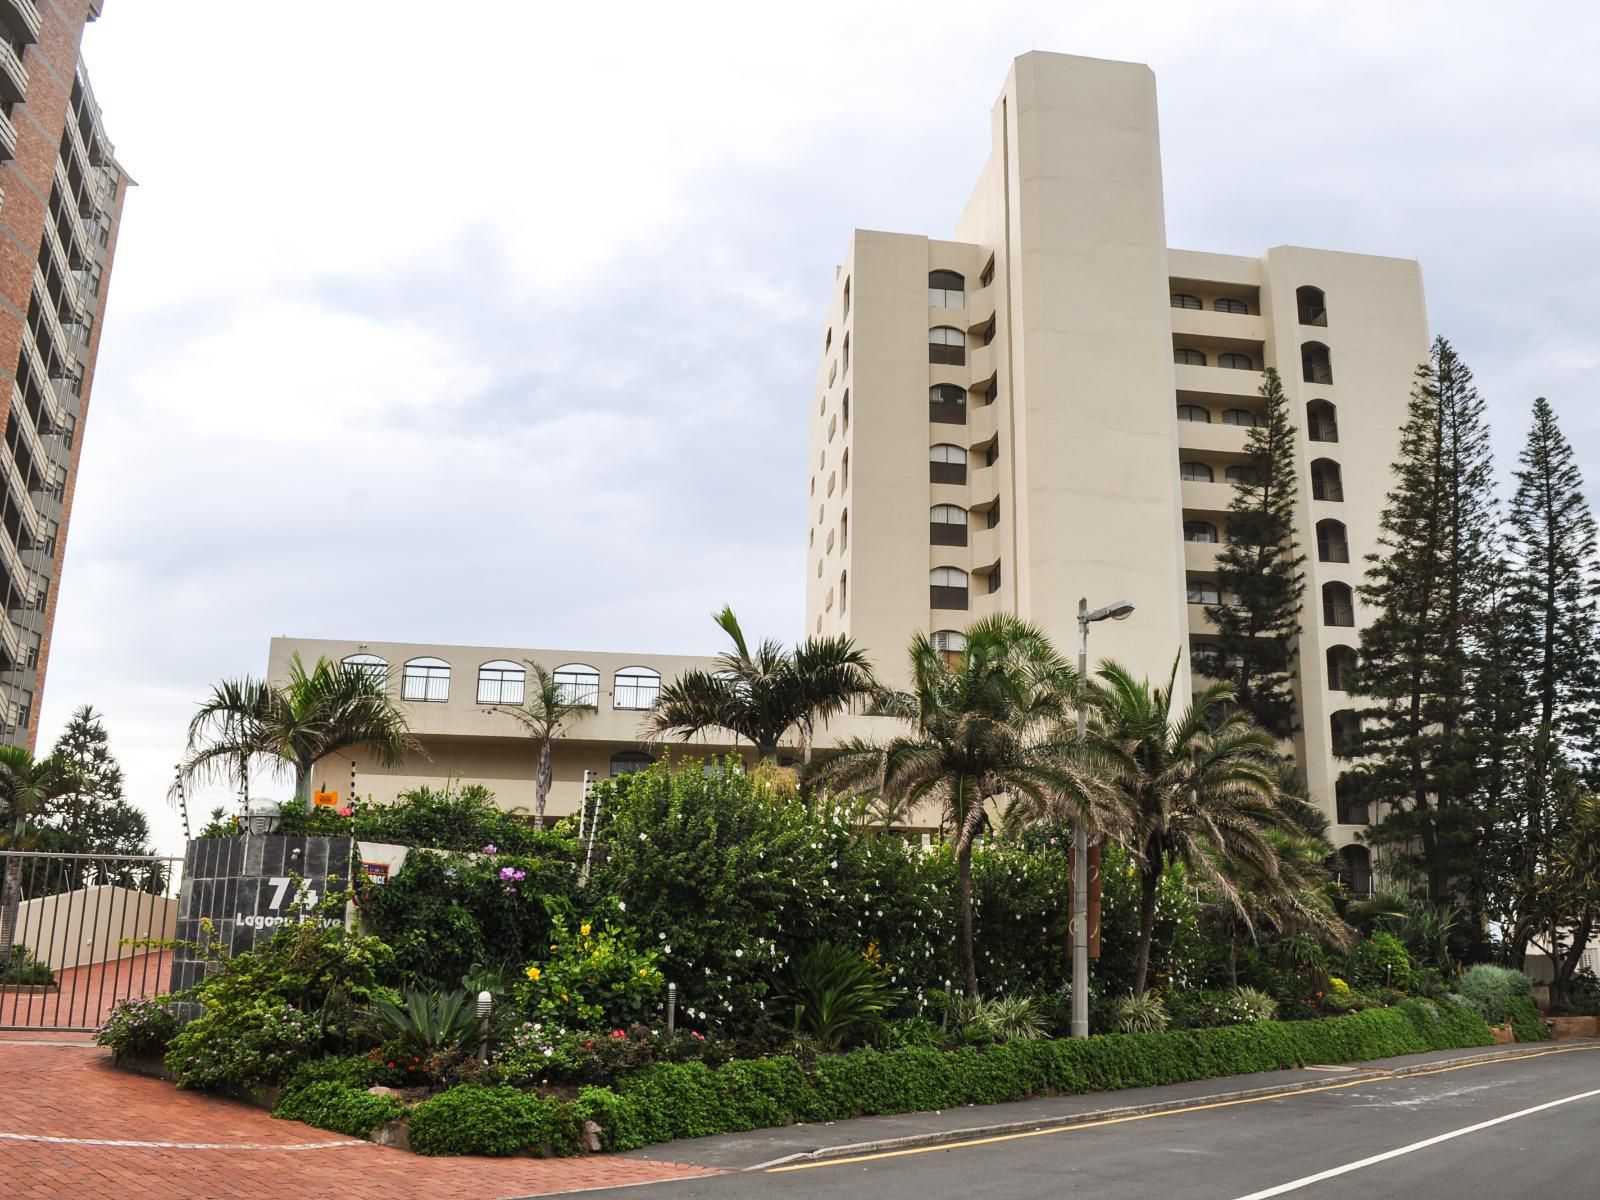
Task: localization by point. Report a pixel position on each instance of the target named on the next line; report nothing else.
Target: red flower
(589, 1045)
(617, 1033)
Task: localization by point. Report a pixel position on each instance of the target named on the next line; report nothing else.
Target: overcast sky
(497, 322)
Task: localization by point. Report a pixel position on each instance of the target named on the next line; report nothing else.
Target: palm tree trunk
(302, 783)
(541, 785)
(10, 903)
(1149, 882)
(969, 962)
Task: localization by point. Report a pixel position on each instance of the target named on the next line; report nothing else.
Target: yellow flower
(643, 972)
(584, 929)
(533, 973)
(552, 945)
(563, 996)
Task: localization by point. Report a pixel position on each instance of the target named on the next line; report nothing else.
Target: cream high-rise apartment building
(1048, 406)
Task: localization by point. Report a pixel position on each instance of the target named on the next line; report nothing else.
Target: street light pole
(1119, 611)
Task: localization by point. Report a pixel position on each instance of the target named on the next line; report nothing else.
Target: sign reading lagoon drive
(247, 887)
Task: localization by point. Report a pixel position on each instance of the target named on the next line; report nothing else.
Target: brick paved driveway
(71, 1125)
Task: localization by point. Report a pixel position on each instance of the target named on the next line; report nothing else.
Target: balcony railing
(13, 75)
(21, 18)
(8, 136)
(947, 597)
(1313, 314)
(1323, 431)
(638, 696)
(947, 472)
(945, 413)
(946, 533)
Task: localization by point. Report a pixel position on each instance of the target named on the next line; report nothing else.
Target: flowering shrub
(592, 978)
(138, 1027)
(248, 1047)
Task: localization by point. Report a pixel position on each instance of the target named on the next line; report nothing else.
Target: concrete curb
(1067, 1120)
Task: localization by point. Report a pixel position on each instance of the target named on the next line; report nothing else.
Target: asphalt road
(1522, 1127)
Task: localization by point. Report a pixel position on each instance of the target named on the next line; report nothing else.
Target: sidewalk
(866, 1135)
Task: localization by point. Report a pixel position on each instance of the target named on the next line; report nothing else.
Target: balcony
(13, 75)
(1201, 557)
(26, 431)
(21, 19)
(47, 310)
(1204, 323)
(24, 499)
(1214, 437)
(54, 411)
(10, 640)
(1217, 381)
(8, 135)
(1206, 497)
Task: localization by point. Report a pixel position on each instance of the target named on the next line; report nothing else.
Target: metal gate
(78, 928)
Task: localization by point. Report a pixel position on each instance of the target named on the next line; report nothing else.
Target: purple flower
(491, 848)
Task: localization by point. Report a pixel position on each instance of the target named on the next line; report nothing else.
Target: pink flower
(347, 812)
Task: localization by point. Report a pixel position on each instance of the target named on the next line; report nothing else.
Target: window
(626, 762)
(1195, 472)
(1187, 356)
(1341, 663)
(635, 688)
(844, 473)
(846, 410)
(847, 352)
(1349, 806)
(1338, 605)
(1354, 870)
(1236, 362)
(426, 679)
(1241, 417)
(1344, 727)
(1203, 592)
(991, 453)
(994, 578)
(827, 341)
(994, 513)
(1322, 421)
(947, 345)
(1184, 300)
(578, 684)
(1326, 481)
(947, 464)
(501, 682)
(1313, 306)
(947, 588)
(844, 531)
(1205, 658)
(1199, 531)
(377, 669)
(847, 295)
(1231, 304)
(947, 403)
(946, 289)
(1193, 412)
(950, 643)
(1332, 546)
(832, 479)
(844, 586)
(987, 278)
(947, 525)
(1316, 366)
(833, 427)
(1239, 473)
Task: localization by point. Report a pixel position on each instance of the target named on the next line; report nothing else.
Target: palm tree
(986, 724)
(546, 711)
(27, 785)
(313, 714)
(764, 695)
(1200, 786)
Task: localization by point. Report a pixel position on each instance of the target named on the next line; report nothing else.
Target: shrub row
(1526, 1023)
(683, 1100)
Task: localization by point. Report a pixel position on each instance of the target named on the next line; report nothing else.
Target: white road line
(72, 1141)
(1294, 1185)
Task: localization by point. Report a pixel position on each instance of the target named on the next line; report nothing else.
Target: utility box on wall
(249, 888)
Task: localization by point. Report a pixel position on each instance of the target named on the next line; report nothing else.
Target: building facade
(61, 195)
(1088, 391)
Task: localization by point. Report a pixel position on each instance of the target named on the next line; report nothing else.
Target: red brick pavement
(67, 1092)
(86, 995)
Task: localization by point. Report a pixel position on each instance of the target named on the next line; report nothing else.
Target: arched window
(578, 683)
(1338, 605)
(501, 682)
(1184, 300)
(1205, 658)
(947, 588)
(1341, 662)
(1188, 356)
(1195, 472)
(1236, 362)
(844, 531)
(1322, 421)
(425, 679)
(1203, 591)
(626, 762)
(1344, 727)
(951, 645)
(1327, 483)
(1193, 412)
(1354, 870)
(946, 289)
(844, 591)
(947, 463)
(376, 669)
(1231, 304)
(1241, 417)
(1313, 305)
(1332, 546)
(947, 345)
(1199, 531)
(844, 473)
(635, 688)
(1316, 365)
(1350, 807)
(847, 410)
(947, 525)
(947, 403)
(1239, 473)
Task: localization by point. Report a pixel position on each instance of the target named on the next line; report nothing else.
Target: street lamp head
(1120, 610)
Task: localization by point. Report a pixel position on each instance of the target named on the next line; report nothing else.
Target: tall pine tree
(94, 818)
(1427, 588)
(1259, 571)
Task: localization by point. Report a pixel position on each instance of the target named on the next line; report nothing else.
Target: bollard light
(485, 1007)
(263, 817)
(672, 1008)
(485, 1004)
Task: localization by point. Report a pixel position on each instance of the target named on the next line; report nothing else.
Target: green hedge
(337, 1106)
(1526, 1023)
(685, 1100)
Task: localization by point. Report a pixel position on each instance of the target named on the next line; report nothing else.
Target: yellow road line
(1170, 1112)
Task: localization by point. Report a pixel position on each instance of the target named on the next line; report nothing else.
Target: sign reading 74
(307, 897)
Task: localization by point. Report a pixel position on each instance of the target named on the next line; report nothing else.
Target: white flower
(641, 837)
(738, 953)
(662, 936)
(668, 950)
(621, 907)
